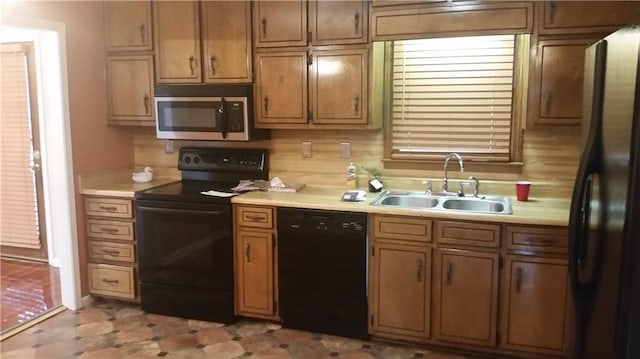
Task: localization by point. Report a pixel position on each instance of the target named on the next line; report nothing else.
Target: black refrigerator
(604, 223)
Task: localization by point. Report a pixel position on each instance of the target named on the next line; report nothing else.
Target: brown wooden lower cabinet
(465, 296)
(402, 291)
(255, 262)
(254, 259)
(535, 309)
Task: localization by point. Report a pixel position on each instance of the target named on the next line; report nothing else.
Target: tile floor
(112, 329)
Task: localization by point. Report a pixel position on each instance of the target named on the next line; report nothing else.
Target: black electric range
(185, 238)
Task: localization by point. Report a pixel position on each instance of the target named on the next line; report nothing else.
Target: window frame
(518, 122)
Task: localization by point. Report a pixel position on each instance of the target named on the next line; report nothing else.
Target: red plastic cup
(522, 190)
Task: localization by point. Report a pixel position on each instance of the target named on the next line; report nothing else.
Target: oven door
(185, 244)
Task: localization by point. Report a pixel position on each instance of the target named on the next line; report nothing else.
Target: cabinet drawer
(109, 207)
(540, 239)
(412, 229)
(111, 251)
(111, 280)
(99, 228)
(259, 217)
(470, 234)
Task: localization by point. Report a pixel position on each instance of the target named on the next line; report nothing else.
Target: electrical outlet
(306, 149)
(345, 150)
(168, 146)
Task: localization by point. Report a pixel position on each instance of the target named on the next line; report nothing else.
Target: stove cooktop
(205, 169)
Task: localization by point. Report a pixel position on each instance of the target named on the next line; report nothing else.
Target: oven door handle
(179, 210)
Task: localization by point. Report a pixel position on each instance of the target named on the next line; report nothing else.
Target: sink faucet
(475, 186)
(445, 180)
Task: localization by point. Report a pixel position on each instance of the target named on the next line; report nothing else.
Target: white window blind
(19, 226)
(453, 95)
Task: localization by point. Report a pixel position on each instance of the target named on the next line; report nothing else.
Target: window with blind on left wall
(455, 95)
(20, 222)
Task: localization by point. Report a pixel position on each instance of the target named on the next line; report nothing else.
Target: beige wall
(96, 147)
(550, 157)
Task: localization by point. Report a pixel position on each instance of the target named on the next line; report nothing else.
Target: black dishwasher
(322, 271)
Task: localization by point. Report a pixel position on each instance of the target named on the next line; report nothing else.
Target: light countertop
(536, 211)
(118, 183)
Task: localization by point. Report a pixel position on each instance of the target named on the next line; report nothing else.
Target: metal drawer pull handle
(419, 266)
(142, 33)
(109, 230)
(108, 208)
(552, 12)
(255, 218)
(192, 65)
(212, 64)
(449, 272)
(518, 279)
(145, 100)
(247, 252)
(356, 21)
(264, 27)
(266, 104)
(547, 241)
(110, 281)
(356, 104)
(111, 252)
(547, 103)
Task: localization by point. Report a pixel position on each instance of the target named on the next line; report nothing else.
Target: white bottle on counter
(352, 178)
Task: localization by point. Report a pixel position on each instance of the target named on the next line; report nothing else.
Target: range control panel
(222, 159)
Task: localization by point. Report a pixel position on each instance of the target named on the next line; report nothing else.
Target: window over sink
(462, 94)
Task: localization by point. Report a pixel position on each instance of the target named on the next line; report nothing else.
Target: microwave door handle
(222, 119)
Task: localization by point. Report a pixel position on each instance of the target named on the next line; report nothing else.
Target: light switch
(306, 149)
(345, 150)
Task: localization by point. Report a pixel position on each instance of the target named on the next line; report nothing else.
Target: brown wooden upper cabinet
(285, 23)
(416, 21)
(130, 90)
(557, 77)
(223, 56)
(127, 25)
(281, 88)
(573, 17)
(338, 88)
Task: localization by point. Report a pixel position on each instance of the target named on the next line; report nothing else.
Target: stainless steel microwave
(206, 112)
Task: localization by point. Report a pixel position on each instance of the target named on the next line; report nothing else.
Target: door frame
(57, 164)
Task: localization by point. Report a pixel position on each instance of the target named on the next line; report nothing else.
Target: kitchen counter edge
(535, 211)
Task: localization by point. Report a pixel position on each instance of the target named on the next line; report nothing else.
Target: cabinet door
(130, 90)
(338, 22)
(402, 291)
(127, 25)
(254, 261)
(536, 298)
(281, 88)
(177, 39)
(226, 38)
(280, 23)
(339, 86)
(466, 296)
(569, 17)
(556, 98)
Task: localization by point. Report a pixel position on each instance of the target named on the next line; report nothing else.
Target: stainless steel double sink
(444, 202)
